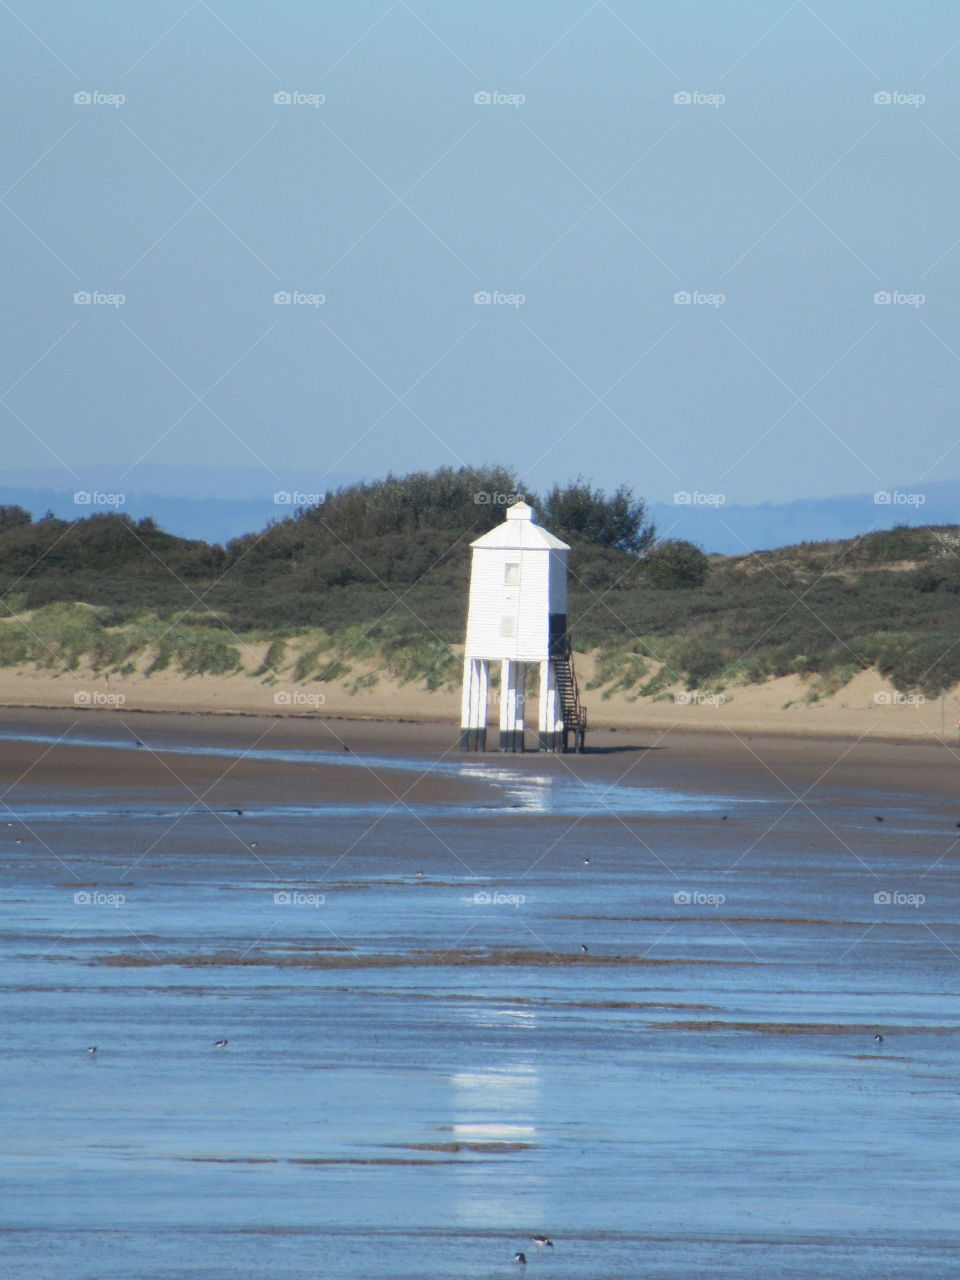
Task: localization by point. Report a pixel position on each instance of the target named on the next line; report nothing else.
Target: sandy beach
(868, 707)
(721, 758)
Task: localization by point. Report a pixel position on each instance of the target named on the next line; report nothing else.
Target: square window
(511, 574)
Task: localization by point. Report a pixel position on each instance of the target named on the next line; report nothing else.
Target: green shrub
(676, 565)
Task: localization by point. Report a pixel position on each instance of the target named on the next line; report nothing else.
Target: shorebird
(586, 861)
(542, 1241)
(221, 1044)
(878, 1039)
(877, 818)
(583, 948)
(92, 1048)
(521, 1258)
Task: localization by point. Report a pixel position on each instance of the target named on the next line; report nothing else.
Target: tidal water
(638, 1021)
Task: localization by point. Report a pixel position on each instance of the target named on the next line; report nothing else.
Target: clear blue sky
(798, 198)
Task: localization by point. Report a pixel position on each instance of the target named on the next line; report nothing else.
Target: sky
(695, 248)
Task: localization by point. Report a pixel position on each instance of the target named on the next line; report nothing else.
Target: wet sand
(714, 761)
(627, 999)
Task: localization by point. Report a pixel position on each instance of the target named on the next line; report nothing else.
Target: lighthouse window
(508, 625)
(511, 575)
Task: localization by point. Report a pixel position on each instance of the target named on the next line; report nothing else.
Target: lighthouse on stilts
(518, 616)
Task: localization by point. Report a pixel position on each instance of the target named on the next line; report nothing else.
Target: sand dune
(868, 706)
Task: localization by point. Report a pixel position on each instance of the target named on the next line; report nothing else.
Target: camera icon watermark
(488, 498)
(699, 699)
(97, 698)
(497, 298)
(296, 898)
(297, 298)
(694, 898)
(296, 498)
(694, 98)
(694, 498)
(485, 898)
(697, 298)
(96, 298)
(896, 498)
(94, 898)
(94, 498)
(94, 98)
(298, 698)
(897, 298)
(295, 98)
(494, 98)
(894, 98)
(893, 898)
(885, 699)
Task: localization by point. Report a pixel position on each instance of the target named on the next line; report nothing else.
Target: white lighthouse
(517, 616)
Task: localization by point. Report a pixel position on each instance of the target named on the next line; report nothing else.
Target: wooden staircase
(573, 711)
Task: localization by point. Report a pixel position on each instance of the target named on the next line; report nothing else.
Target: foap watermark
(884, 699)
(94, 898)
(501, 695)
(699, 699)
(296, 98)
(488, 498)
(95, 498)
(296, 298)
(694, 498)
(694, 898)
(95, 298)
(494, 98)
(695, 98)
(496, 898)
(96, 98)
(297, 498)
(893, 898)
(297, 698)
(296, 898)
(896, 498)
(897, 298)
(97, 698)
(497, 298)
(696, 298)
(894, 98)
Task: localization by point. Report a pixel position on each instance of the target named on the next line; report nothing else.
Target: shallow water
(424, 1068)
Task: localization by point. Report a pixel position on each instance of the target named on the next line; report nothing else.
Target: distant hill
(736, 529)
(208, 503)
(216, 505)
